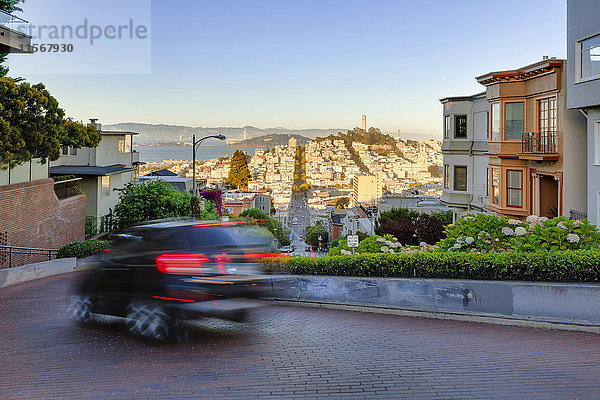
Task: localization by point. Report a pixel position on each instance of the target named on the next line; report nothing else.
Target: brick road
(286, 353)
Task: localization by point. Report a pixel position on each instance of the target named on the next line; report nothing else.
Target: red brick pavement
(286, 353)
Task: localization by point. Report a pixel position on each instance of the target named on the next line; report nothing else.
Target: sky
(295, 64)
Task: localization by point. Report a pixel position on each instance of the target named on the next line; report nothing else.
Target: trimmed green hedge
(83, 249)
(570, 265)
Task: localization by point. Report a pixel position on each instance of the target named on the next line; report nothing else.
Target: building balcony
(12, 36)
(534, 146)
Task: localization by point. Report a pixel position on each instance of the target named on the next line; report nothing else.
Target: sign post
(352, 241)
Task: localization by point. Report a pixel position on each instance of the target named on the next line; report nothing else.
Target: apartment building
(583, 94)
(465, 128)
(103, 171)
(536, 146)
(366, 189)
(237, 202)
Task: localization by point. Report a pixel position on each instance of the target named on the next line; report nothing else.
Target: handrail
(539, 142)
(23, 250)
(13, 16)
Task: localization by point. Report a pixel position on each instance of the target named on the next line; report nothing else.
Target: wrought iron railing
(11, 256)
(574, 214)
(539, 142)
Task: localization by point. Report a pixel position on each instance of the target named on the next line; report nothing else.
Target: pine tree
(239, 174)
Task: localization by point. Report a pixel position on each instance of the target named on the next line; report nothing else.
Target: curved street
(286, 353)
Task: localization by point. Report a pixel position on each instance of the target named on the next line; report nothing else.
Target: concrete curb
(26, 273)
(544, 305)
(443, 316)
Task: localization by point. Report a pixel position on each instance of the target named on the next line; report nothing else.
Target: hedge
(83, 249)
(557, 266)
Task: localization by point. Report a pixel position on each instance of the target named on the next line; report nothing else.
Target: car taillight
(183, 264)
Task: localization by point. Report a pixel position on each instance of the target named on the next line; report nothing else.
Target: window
(514, 188)
(447, 127)
(514, 121)
(121, 146)
(589, 57)
(495, 186)
(73, 151)
(446, 177)
(547, 115)
(597, 157)
(65, 150)
(495, 122)
(105, 186)
(68, 151)
(460, 126)
(460, 178)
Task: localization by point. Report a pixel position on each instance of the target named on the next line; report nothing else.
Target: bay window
(514, 120)
(514, 188)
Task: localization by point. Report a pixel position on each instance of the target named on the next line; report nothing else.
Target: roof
(463, 98)
(118, 133)
(528, 71)
(89, 170)
(162, 172)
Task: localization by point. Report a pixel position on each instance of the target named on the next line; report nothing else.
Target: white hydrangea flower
(382, 240)
(460, 240)
(577, 222)
(514, 221)
(561, 225)
(543, 219)
(497, 240)
(520, 231)
(456, 246)
(572, 238)
(345, 253)
(422, 244)
(469, 240)
(532, 219)
(507, 231)
(388, 243)
(385, 249)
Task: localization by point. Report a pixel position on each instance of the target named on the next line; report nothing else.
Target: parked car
(155, 275)
(287, 249)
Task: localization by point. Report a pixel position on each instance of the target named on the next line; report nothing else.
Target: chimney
(97, 125)
(544, 57)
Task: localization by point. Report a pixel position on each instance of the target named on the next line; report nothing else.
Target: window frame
(466, 189)
(503, 119)
(597, 144)
(498, 136)
(447, 176)
(495, 175)
(457, 118)
(447, 127)
(104, 189)
(509, 188)
(579, 59)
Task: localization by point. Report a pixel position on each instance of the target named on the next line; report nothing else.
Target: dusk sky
(309, 63)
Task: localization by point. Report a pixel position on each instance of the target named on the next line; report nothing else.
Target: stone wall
(32, 216)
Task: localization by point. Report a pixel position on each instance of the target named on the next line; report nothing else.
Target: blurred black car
(158, 274)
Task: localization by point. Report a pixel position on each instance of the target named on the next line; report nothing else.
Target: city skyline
(310, 65)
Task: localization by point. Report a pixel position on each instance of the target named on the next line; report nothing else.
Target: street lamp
(195, 143)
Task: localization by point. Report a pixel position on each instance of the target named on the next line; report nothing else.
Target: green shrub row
(83, 249)
(569, 265)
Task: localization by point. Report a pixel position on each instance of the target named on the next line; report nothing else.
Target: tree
(239, 174)
(32, 125)
(313, 233)
(271, 224)
(151, 200)
(342, 203)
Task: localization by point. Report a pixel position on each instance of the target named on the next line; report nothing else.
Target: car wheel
(82, 310)
(149, 321)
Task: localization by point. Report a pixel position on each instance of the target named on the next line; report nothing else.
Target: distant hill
(272, 140)
(151, 133)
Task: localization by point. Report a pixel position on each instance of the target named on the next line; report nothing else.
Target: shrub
(429, 229)
(83, 249)
(490, 233)
(404, 230)
(569, 265)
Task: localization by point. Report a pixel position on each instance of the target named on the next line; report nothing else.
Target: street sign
(352, 241)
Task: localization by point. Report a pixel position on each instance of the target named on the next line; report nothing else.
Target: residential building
(465, 144)
(583, 92)
(356, 220)
(12, 40)
(536, 146)
(237, 202)
(179, 183)
(104, 170)
(366, 189)
(292, 143)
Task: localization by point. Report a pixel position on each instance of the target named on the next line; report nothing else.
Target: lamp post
(195, 143)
